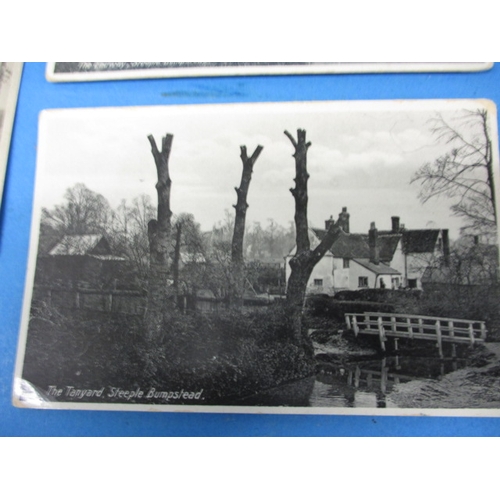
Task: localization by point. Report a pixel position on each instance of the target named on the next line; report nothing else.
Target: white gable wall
(323, 271)
(357, 271)
(341, 275)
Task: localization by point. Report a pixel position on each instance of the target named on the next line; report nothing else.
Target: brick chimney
(344, 219)
(373, 244)
(395, 224)
(329, 222)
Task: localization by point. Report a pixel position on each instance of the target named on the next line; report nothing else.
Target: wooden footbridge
(399, 326)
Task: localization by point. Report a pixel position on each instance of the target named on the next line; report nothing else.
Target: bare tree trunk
(159, 232)
(239, 222)
(304, 260)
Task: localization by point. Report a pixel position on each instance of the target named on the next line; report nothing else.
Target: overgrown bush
(228, 355)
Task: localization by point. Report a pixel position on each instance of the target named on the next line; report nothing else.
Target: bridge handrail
(415, 316)
(412, 326)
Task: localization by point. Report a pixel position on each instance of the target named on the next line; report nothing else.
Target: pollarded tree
(465, 173)
(305, 258)
(159, 235)
(240, 219)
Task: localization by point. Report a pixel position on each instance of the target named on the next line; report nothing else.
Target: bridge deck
(417, 327)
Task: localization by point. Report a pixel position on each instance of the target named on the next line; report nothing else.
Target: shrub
(228, 355)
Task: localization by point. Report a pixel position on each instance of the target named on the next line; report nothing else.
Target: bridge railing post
(381, 332)
(483, 330)
(348, 321)
(439, 338)
(410, 328)
(471, 334)
(451, 329)
(355, 325)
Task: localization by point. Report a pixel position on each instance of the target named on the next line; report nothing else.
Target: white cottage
(377, 259)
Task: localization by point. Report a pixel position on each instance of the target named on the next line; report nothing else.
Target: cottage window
(395, 282)
(412, 283)
(318, 282)
(346, 263)
(363, 282)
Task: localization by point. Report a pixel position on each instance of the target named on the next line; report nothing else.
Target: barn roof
(76, 244)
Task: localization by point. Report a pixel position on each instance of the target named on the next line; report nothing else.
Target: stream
(392, 382)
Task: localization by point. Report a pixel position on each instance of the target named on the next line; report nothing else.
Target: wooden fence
(114, 301)
(409, 326)
(133, 302)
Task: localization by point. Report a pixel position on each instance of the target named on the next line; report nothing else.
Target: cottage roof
(355, 245)
(420, 240)
(347, 245)
(380, 268)
(387, 244)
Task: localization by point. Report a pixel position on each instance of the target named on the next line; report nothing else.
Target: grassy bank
(230, 355)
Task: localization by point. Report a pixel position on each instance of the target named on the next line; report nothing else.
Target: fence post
(451, 329)
(483, 330)
(355, 325)
(393, 328)
(348, 321)
(410, 328)
(420, 326)
(393, 324)
(381, 333)
(439, 338)
(471, 334)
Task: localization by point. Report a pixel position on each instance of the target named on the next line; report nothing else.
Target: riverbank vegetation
(229, 355)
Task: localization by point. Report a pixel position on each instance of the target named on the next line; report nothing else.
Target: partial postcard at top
(84, 71)
(319, 257)
(10, 78)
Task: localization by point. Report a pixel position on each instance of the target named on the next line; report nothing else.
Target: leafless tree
(240, 219)
(465, 173)
(304, 260)
(83, 212)
(159, 235)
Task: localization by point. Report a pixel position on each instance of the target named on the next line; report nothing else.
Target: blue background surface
(37, 94)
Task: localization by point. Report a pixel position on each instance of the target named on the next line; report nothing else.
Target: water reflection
(364, 384)
(369, 384)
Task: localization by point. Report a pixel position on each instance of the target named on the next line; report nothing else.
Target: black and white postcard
(85, 71)
(10, 78)
(301, 257)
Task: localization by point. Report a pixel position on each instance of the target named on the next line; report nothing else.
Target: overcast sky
(363, 156)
